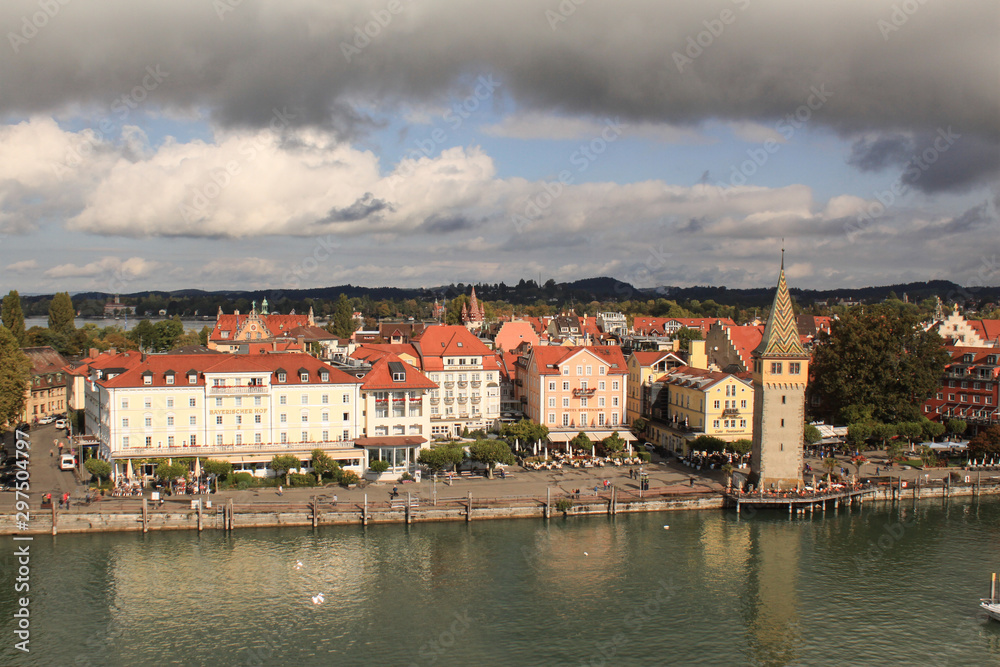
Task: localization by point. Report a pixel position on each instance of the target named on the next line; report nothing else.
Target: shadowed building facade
(780, 374)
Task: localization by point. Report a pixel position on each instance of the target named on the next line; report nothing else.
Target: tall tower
(780, 374)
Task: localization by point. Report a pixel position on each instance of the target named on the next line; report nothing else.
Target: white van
(67, 462)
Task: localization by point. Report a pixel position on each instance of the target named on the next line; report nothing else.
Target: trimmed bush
(349, 477)
(301, 479)
(379, 466)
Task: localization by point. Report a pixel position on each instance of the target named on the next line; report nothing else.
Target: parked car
(61, 423)
(46, 419)
(67, 462)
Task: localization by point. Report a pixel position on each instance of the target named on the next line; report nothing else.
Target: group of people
(63, 500)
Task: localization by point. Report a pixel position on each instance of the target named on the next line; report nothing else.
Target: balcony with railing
(462, 384)
(207, 450)
(237, 389)
(435, 400)
(584, 393)
(475, 383)
(448, 400)
(476, 399)
(449, 385)
(463, 399)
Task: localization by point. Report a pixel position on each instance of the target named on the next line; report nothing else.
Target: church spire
(781, 334)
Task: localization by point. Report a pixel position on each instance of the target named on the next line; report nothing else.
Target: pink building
(576, 387)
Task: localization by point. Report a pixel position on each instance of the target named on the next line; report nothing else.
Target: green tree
(203, 335)
(932, 430)
(741, 446)
(221, 470)
(858, 434)
(830, 463)
(167, 332)
(686, 335)
(98, 468)
(61, 313)
(708, 443)
(613, 443)
(13, 317)
(491, 452)
(524, 432)
(281, 464)
(167, 471)
(581, 441)
(15, 374)
(910, 431)
(811, 435)
(323, 465)
(342, 324)
(957, 426)
(639, 427)
(441, 457)
(883, 433)
(379, 466)
(986, 443)
(880, 359)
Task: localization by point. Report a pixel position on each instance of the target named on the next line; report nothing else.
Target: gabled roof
(379, 378)
(44, 359)
(512, 334)
(988, 330)
(648, 358)
(548, 358)
(745, 339)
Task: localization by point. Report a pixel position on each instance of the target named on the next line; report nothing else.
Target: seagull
(318, 598)
(666, 528)
(298, 565)
(585, 553)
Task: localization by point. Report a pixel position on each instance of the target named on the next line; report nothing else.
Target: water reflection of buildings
(770, 604)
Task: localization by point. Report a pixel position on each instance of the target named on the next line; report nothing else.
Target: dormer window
(324, 376)
(304, 376)
(147, 379)
(991, 359)
(225, 334)
(281, 376)
(170, 379)
(968, 358)
(192, 378)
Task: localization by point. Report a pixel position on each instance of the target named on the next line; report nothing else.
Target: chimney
(92, 352)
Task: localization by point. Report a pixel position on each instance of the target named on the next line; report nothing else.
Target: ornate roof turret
(781, 335)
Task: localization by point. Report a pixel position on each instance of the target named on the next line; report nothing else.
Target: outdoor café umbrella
(128, 470)
(197, 468)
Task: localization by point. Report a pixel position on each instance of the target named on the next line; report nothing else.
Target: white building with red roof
(467, 374)
(240, 408)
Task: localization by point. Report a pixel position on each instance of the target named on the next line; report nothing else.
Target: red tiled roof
(548, 356)
(380, 376)
(180, 364)
(648, 358)
(988, 330)
(512, 334)
(703, 379)
(745, 339)
(276, 324)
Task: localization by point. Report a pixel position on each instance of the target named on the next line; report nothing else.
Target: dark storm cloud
(875, 154)
(365, 206)
(975, 218)
(936, 66)
(447, 223)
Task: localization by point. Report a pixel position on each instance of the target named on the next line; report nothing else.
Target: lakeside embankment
(133, 515)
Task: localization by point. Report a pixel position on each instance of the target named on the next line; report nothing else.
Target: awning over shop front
(563, 437)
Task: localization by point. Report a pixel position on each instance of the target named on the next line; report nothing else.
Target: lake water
(875, 586)
(127, 325)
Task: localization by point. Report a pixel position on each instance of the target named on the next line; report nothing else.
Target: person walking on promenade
(280, 490)
(65, 500)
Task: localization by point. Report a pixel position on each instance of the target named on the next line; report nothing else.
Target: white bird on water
(585, 553)
(318, 598)
(298, 565)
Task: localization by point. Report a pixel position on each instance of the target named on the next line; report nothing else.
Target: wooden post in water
(232, 520)
(468, 510)
(54, 519)
(408, 517)
(145, 516)
(364, 512)
(315, 512)
(199, 515)
(548, 501)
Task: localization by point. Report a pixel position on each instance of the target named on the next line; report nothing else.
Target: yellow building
(643, 368)
(701, 402)
(240, 408)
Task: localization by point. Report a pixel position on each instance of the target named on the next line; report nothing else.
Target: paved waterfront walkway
(667, 476)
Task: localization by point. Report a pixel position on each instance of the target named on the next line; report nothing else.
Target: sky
(243, 144)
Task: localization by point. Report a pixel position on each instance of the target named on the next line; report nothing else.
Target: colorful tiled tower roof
(781, 335)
